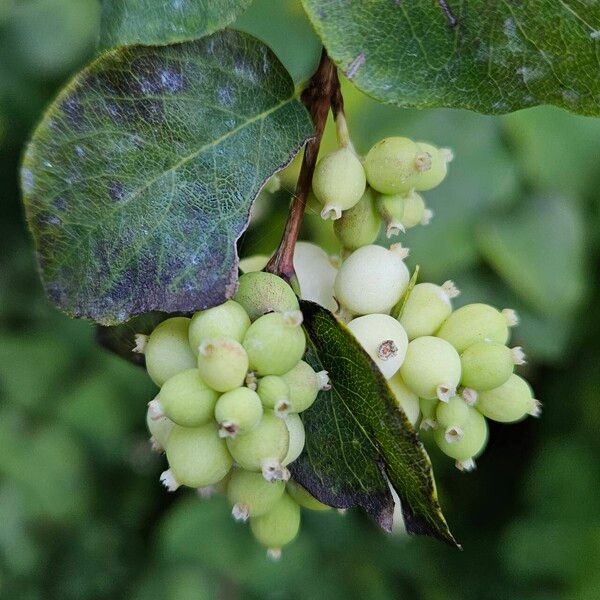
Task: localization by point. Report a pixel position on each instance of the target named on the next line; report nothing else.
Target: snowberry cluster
(232, 382)
(358, 195)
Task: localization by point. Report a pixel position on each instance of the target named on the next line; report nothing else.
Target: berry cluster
(232, 382)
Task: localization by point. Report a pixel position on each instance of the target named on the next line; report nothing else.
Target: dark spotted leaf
(161, 22)
(140, 178)
(356, 437)
(493, 57)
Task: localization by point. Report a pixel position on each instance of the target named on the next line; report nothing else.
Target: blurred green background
(517, 224)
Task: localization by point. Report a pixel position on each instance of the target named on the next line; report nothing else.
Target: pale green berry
(390, 164)
(315, 273)
(251, 495)
(238, 412)
(197, 457)
(426, 308)
(222, 363)
(338, 182)
(250, 264)
(436, 161)
(167, 351)
(360, 225)
(431, 368)
(477, 323)
(383, 338)
(185, 399)
(274, 393)
(278, 527)
(304, 385)
(508, 403)
(428, 409)
(264, 448)
(487, 365)
(228, 320)
(260, 293)
(275, 343)
(455, 412)
(406, 399)
(297, 438)
(391, 208)
(465, 442)
(372, 279)
(304, 498)
(159, 429)
(415, 211)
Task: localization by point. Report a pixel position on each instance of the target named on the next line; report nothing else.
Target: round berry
(372, 279)
(487, 365)
(508, 403)
(415, 211)
(428, 409)
(274, 393)
(426, 308)
(304, 385)
(275, 343)
(303, 498)
(260, 293)
(476, 323)
(297, 438)
(197, 457)
(406, 399)
(315, 274)
(431, 368)
(238, 412)
(383, 338)
(338, 182)
(455, 412)
(390, 164)
(254, 263)
(159, 429)
(229, 320)
(167, 351)
(264, 448)
(391, 208)
(437, 161)
(185, 399)
(222, 363)
(251, 495)
(360, 225)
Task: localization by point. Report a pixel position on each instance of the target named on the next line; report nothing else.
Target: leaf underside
(356, 437)
(140, 178)
(161, 22)
(492, 57)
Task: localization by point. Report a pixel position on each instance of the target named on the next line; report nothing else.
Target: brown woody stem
(321, 94)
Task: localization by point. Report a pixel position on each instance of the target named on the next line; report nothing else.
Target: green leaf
(140, 178)
(162, 22)
(491, 57)
(356, 436)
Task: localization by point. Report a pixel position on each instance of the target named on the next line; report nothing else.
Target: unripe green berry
(429, 178)
(197, 457)
(338, 182)
(391, 209)
(465, 442)
(426, 308)
(431, 368)
(415, 211)
(278, 527)
(477, 323)
(253, 263)
(264, 448)
(304, 385)
(315, 273)
(359, 226)
(406, 399)
(304, 498)
(274, 393)
(428, 409)
(455, 412)
(508, 403)
(383, 338)
(159, 429)
(487, 365)
(297, 438)
(275, 343)
(167, 351)
(222, 363)
(390, 164)
(372, 279)
(185, 399)
(260, 293)
(228, 320)
(238, 412)
(251, 495)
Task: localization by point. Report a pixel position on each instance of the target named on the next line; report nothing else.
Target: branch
(321, 94)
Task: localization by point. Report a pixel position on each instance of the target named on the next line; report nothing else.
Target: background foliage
(516, 223)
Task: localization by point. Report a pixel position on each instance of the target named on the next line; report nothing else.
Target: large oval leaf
(161, 22)
(492, 57)
(139, 180)
(357, 438)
